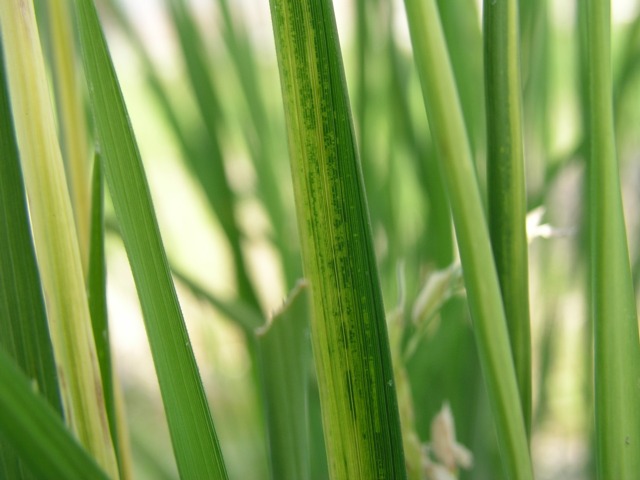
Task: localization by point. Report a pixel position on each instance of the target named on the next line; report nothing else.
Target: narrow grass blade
(547, 359)
(24, 333)
(243, 56)
(616, 341)
(97, 289)
(193, 436)
(505, 182)
(349, 335)
(74, 137)
(481, 281)
(379, 169)
(285, 352)
(439, 245)
(37, 433)
(54, 232)
(584, 240)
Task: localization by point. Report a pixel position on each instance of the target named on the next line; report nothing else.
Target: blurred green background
(408, 207)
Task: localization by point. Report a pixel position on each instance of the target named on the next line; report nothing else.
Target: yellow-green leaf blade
(54, 234)
(74, 141)
(24, 333)
(349, 335)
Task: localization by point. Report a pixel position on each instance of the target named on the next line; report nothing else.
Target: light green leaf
(615, 320)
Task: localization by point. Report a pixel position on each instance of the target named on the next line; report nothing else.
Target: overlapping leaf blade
(54, 234)
(37, 433)
(24, 333)
(485, 302)
(193, 435)
(505, 183)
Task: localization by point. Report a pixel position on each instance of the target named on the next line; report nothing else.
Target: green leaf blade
(24, 332)
(616, 341)
(22, 310)
(97, 292)
(447, 125)
(349, 335)
(506, 184)
(32, 427)
(54, 234)
(193, 435)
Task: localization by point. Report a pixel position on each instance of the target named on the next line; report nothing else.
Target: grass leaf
(74, 135)
(193, 435)
(481, 281)
(97, 288)
(505, 182)
(349, 334)
(616, 341)
(24, 332)
(54, 232)
(37, 433)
